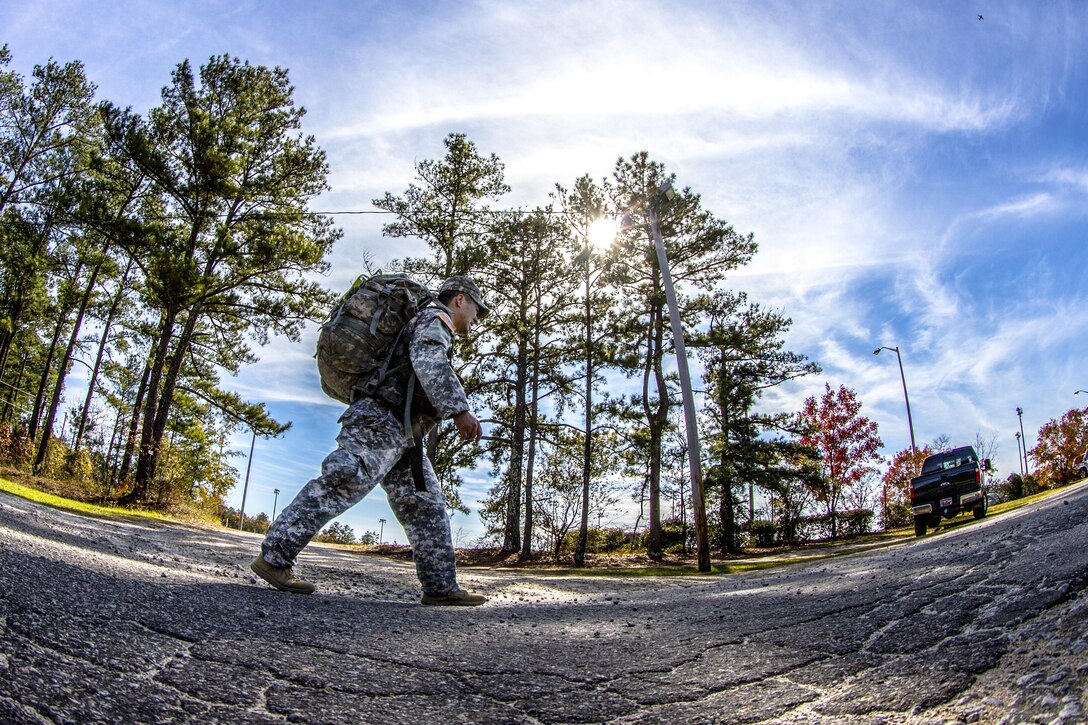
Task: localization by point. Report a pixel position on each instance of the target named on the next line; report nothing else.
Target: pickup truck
(950, 483)
(1080, 466)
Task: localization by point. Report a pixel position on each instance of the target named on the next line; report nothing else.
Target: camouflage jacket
(426, 348)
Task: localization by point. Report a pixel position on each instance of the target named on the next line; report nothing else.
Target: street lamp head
(1019, 410)
(877, 351)
(1078, 392)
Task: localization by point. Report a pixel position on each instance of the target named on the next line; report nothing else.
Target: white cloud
(1077, 178)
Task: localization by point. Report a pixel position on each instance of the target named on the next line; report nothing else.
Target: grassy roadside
(630, 566)
(786, 556)
(83, 508)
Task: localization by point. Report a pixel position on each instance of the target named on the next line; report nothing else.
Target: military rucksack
(357, 343)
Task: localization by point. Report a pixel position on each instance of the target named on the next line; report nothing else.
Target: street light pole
(381, 530)
(910, 422)
(702, 538)
(275, 500)
(245, 486)
(1019, 456)
(1020, 415)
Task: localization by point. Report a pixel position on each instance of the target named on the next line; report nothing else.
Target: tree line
(154, 250)
(157, 249)
(575, 363)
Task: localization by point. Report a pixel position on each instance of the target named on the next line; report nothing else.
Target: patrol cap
(464, 284)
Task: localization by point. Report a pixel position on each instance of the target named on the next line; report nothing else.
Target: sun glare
(602, 233)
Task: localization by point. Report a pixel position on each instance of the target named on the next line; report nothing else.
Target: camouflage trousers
(370, 450)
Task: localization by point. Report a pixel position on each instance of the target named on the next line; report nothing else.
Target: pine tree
(229, 253)
(584, 208)
(742, 351)
(700, 250)
(533, 290)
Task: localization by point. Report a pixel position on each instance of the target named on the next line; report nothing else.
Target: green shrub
(899, 515)
(855, 522)
(336, 533)
(609, 540)
(677, 535)
(56, 457)
(761, 533)
(814, 528)
(1017, 486)
(79, 466)
(15, 446)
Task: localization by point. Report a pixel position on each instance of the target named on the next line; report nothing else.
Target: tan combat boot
(280, 577)
(459, 598)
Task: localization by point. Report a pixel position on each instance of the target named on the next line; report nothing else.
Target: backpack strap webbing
(414, 433)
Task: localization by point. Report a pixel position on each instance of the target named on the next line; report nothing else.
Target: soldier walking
(382, 441)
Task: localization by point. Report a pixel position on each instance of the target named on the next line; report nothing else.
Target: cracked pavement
(143, 621)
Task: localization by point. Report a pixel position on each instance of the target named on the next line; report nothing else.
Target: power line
(300, 213)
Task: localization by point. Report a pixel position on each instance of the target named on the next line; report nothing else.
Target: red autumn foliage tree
(905, 466)
(1060, 442)
(847, 442)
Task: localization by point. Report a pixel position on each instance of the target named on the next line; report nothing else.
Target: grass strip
(881, 539)
(79, 507)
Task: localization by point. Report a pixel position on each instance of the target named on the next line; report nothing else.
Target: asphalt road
(132, 622)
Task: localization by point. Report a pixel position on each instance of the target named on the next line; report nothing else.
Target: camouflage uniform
(373, 448)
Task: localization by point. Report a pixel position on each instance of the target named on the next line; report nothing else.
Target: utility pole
(702, 539)
(1020, 415)
(245, 487)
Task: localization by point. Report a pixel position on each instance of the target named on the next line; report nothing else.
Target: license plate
(946, 502)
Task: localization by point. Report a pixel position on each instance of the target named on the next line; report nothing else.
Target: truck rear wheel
(980, 511)
(919, 525)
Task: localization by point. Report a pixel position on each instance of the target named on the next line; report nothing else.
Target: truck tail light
(978, 476)
(912, 494)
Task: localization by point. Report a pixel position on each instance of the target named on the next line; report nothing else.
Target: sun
(602, 233)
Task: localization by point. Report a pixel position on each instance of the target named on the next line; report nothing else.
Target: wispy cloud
(602, 63)
(1066, 176)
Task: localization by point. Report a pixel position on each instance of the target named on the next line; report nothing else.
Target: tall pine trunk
(150, 407)
(166, 399)
(13, 392)
(62, 370)
(134, 421)
(534, 406)
(102, 342)
(160, 389)
(512, 530)
(587, 444)
(47, 368)
(657, 417)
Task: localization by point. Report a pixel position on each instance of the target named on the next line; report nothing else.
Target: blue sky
(914, 176)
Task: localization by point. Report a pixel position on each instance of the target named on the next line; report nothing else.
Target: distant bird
(980, 17)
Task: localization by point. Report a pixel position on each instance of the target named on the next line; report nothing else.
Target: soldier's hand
(467, 425)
